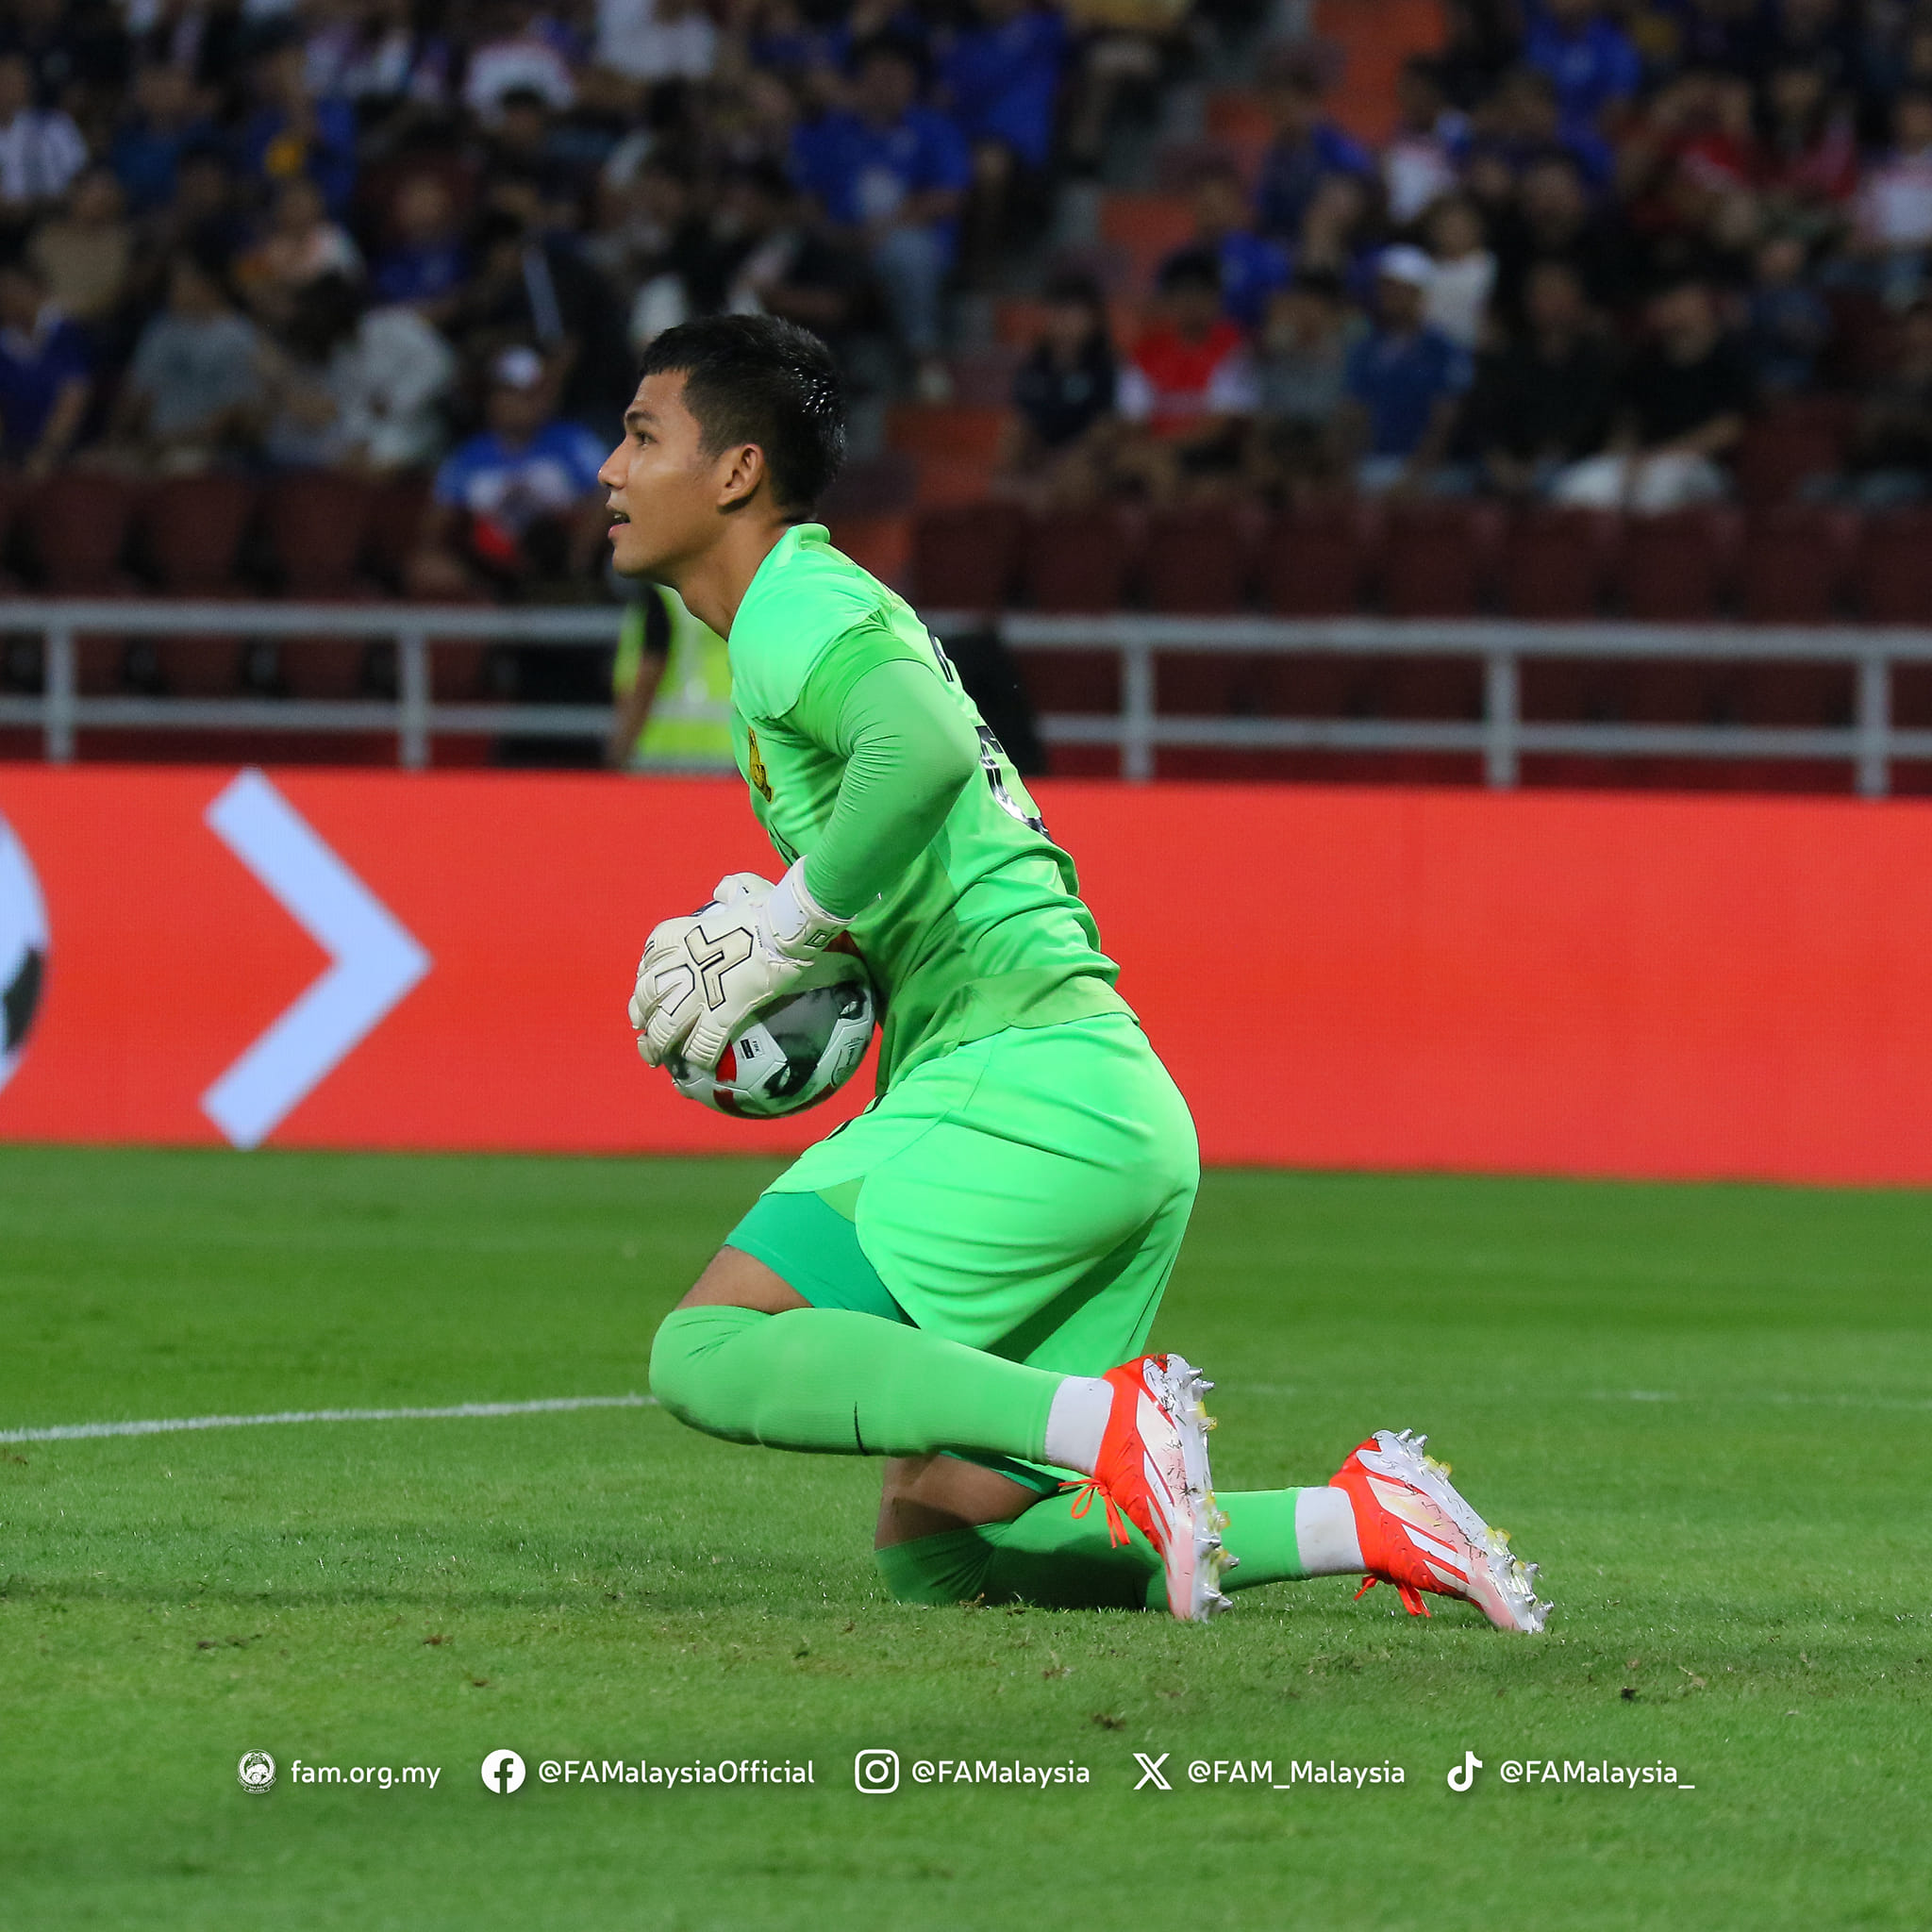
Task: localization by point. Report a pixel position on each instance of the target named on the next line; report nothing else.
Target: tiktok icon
(1461, 1776)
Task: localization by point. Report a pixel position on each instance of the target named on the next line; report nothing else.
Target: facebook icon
(503, 1772)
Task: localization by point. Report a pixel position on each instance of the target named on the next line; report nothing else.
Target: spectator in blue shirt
(1000, 82)
(1405, 381)
(520, 500)
(1305, 150)
(289, 132)
(45, 377)
(427, 264)
(1590, 61)
(1251, 268)
(149, 144)
(894, 175)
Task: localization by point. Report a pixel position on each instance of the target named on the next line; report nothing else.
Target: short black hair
(755, 378)
(1192, 268)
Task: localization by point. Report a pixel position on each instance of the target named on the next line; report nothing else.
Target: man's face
(1554, 300)
(1194, 306)
(664, 491)
(1552, 196)
(1682, 312)
(1911, 122)
(20, 300)
(517, 412)
(1400, 303)
(887, 87)
(1220, 205)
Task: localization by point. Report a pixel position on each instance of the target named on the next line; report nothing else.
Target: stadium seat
(1794, 562)
(395, 524)
(1555, 562)
(983, 377)
(1147, 229)
(1807, 695)
(1313, 561)
(1673, 568)
(193, 527)
(317, 521)
(1437, 558)
(1195, 562)
(1791, 442)
(881, 544)
(77, 523)
(946, 480)
(1894, 571)
(1076, 560)
(955, 432)
(966, 557)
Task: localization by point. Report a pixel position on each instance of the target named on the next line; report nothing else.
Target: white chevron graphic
(372, 960)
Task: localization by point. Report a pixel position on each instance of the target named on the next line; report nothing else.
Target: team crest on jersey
(754, 768)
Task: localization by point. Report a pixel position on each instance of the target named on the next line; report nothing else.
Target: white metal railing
(60, 711)
(1501, 737)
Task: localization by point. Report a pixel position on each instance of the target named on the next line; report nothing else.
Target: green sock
(1048, 1556)
(1053, 1558)
(850, 1384)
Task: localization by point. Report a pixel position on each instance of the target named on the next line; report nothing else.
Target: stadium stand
(238, 338)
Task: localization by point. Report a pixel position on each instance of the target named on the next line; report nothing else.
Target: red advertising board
(1539, 982)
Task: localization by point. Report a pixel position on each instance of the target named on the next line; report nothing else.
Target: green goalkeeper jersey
(866, 757)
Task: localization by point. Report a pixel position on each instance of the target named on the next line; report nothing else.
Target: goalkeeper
(962, 1279)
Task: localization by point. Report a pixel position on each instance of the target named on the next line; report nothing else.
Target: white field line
(1763, 1399)
(463, 1411)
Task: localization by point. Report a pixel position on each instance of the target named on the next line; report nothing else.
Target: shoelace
(1411, 1597)
(1090, 1487)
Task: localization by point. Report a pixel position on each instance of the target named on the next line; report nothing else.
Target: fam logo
(256, 1772)
(23, 950)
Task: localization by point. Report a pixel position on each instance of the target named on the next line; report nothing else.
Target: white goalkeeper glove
(702, 977)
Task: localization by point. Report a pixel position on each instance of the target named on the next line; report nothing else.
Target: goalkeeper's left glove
(702, 977)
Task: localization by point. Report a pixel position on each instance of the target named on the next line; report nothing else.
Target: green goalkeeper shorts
(1025, 1195)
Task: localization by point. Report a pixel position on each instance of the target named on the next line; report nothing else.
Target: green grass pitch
(1704, 1410)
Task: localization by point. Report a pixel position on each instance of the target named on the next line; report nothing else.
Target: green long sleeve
(908, 751)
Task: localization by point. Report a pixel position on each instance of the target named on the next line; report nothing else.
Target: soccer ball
(23, 950)
(794, 1052)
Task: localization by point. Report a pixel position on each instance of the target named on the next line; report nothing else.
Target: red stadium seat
(1794, 441)
(317, 523)
(1673, 567)
(395, 524)
(1437, 558)
(966, 557)
(1076, 560)
(1555, 563)
(1195, 562)
(1313, 561)
(77, 523)
(1794, 562)
(194, 526)
(1894, 571)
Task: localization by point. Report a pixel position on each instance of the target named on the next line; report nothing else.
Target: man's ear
(741, 475)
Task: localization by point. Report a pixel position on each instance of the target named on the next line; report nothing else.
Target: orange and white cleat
(1153, 1468)
(1418, 1534)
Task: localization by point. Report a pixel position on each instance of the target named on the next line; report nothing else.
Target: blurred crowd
(1606, 239)
(382, 236)
(411, 237)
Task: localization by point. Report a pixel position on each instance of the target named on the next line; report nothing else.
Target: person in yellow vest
(673, 686)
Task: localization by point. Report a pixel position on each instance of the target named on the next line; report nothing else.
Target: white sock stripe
(463, 1411)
